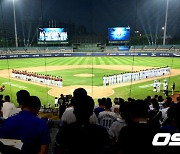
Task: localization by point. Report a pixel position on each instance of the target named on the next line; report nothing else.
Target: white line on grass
(14, 85)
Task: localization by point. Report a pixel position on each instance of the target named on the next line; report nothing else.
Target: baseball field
(87, 72)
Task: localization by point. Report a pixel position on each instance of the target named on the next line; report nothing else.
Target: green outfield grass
(69, 79)
(141, 90)
(138, 61)
(13, 86)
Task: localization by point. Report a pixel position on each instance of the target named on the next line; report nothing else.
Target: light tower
(165, 24)
(15, 27)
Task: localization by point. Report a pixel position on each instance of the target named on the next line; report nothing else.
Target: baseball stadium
(86, 70)
(112, 49)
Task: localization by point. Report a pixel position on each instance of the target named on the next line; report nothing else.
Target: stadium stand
(35, 50)
(111, 48)
(164, 48)
(90, 47)
(155, 48)
(150, 48)
(127, 122)
(136, 48)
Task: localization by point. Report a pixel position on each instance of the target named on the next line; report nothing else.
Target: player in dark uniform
(173, 88)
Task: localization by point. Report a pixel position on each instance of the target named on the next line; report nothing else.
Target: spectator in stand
(8, 108)
(129, 99)
(160, 101)
(79, 93)
(121, 100)
(107, 117)
(69, 116)
(28, 128)
(115, 107)
(137, 136)
(171, 125)
(1, 102)
(178, 100)
(62, 105)
(100, 108)
(156, 96)
(1, 105)
(169, 98)
(164, 111)
(155, 115)
(120, 123)
(148, 98)
(82, 137)
(22, 98)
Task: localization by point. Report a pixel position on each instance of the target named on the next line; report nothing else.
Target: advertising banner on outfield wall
(84, 54)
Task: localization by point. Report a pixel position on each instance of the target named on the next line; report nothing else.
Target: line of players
(39, 78)
(157, 86)
(134, 76)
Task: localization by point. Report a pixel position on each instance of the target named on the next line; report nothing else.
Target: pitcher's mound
(84, 75)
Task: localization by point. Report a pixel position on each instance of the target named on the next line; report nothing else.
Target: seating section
(89, 48)
(118, 117)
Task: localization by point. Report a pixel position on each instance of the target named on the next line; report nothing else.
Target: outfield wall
(142, 54)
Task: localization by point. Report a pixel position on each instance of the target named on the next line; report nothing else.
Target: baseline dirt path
(94, 91)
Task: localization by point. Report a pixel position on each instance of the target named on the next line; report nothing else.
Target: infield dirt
(94, 91)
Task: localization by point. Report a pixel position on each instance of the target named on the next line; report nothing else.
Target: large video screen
(119, 34)
(52, 34)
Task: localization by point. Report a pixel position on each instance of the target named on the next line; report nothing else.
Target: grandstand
(34, 50)
(155, 48)
(90, 47)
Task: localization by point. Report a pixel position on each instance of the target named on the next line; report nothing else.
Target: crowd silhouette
(112, 127)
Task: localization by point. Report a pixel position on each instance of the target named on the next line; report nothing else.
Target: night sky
(97, 16)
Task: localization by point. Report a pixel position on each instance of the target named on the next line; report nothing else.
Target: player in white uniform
(111, 80)
(137, 76)
(141, 74)
(125, 77)
(107, 80)
(114, 79)
(119, 78)
(158, 86)
(165, 86)
(154, 85)
(104, 80)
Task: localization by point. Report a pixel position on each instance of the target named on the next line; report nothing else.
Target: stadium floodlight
(15, 27)
(165, 24)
